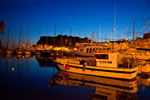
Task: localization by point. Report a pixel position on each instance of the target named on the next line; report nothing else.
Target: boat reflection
(45, 61)
(144, 81)
(105, 88)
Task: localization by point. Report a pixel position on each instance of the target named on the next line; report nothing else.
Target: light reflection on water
(37, 78)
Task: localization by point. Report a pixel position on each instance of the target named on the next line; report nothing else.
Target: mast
(20, 36)
(28, 37)
(70, 31)
(47, 38)
(70, 42)
(54, 34)
(92, 38)
(97, 36)
(100, 33)
(9, 38)
(133, 29)
(114, 21)
(62, 38)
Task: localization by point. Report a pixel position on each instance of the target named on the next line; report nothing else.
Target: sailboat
(27, 51)
(9, 52)
(19, 51)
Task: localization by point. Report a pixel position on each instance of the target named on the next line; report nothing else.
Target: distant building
(60, 40)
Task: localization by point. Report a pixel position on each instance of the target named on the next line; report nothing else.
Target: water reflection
(45, 61)
(22, 79)
(37, 78)
(105, 88)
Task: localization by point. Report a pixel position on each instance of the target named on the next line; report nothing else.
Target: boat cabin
(93, 49)
(106, 59)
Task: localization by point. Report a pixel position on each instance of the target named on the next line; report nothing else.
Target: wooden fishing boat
(104, 65)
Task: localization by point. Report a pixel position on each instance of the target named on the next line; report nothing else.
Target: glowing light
(75, 48)
(13, 69)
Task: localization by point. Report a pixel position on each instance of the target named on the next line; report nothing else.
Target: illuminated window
(90, 50)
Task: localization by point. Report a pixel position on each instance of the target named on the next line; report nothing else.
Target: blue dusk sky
(81, 16)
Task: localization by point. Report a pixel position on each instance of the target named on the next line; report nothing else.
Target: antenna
(114, 20)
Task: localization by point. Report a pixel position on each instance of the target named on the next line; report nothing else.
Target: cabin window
(90, 50)
(101, 56)
(93, 49)
(108, 49)
(87, 50)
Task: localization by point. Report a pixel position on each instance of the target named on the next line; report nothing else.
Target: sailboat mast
(54, 34)
(115, 21)
(62, 38)
(100, 33)
(20, 36)
(9, 38)
(133, 29)
(28, 37)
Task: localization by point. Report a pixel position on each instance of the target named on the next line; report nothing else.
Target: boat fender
(67, 67)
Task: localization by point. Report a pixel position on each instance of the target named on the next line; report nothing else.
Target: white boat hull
(117, 73)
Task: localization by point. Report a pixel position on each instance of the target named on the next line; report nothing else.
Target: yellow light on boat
(75, 48)
(133, 53)
(13, 69)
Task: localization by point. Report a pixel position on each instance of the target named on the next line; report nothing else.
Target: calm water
(37, 78)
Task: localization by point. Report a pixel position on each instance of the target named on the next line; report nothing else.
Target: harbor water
(37, 78)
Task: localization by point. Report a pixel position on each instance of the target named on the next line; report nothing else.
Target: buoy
(13, 69)
(67, 67)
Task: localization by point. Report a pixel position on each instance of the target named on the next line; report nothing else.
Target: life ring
(67, 67)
